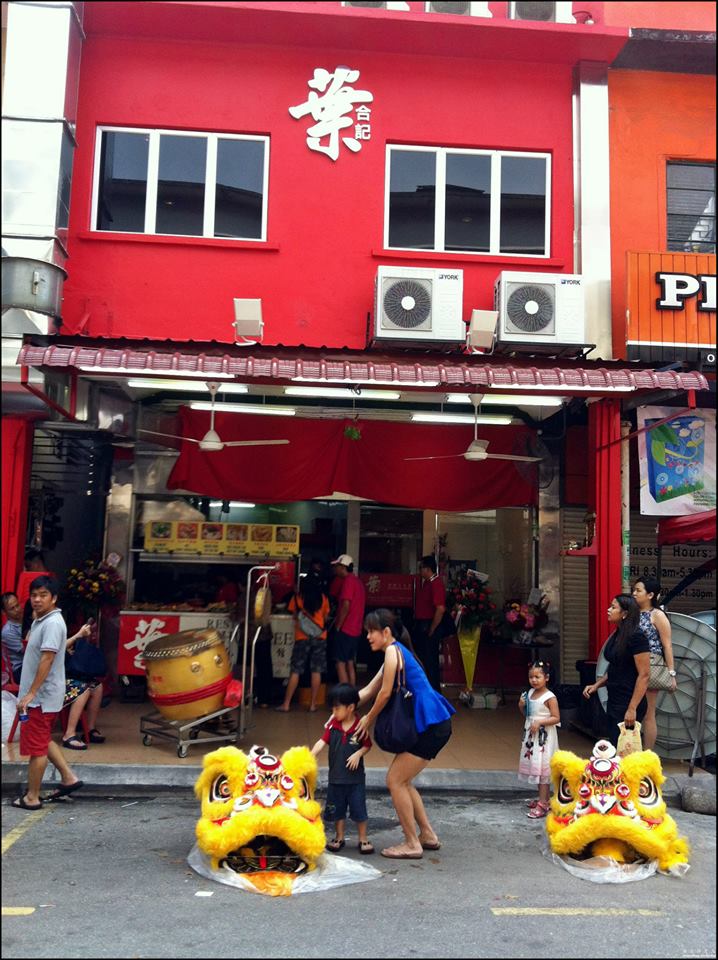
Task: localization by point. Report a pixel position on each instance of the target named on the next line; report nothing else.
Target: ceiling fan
(477, 449)
(211, 441)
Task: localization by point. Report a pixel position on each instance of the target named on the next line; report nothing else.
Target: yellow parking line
(17, 911)
(573, 912)
(17, 832)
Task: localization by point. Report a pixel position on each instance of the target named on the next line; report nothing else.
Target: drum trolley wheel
(188, 733)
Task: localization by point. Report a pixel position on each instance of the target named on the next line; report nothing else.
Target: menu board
(222, 539)
(159, 536)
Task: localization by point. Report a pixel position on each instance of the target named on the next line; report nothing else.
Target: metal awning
(476, 373)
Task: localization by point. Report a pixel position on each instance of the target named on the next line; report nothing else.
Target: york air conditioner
(417, 306)
(540, 308)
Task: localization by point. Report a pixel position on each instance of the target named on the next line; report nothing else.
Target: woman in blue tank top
(432, 714)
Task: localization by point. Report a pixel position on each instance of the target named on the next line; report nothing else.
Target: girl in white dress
(540, 740)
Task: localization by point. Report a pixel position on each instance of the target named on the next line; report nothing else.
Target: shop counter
(140, 627)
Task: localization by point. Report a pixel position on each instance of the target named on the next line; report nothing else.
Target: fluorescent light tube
(190, 386)
(340, 393)
(128, 371)
(505, 400)
(232, 503)
(460, 418)
(244, 408)
(376, 383)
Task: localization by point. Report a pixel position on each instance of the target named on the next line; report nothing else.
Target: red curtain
(692, 528)
(17, 436)
(321, 459)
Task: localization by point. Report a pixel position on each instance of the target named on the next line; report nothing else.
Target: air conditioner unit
(416, 305)
(539, 12)
(461, 8)
(540, 308)
(397, 5)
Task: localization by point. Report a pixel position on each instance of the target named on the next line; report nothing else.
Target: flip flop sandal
(63, 791)
(531, 803)
(538, 812)
(335, 845)
(365, 847)
(21, 804)
(96, 736)
(431, 846)
(74, 743)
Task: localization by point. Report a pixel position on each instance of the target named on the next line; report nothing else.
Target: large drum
(187, 673)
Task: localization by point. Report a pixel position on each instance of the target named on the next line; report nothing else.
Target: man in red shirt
(428, 615)
(349, 623)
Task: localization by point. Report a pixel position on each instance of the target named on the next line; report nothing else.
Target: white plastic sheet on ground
(9, 711)
(608, 870)
(331, 871)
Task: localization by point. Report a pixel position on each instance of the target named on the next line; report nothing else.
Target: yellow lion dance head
(613, 807)
(259, 816)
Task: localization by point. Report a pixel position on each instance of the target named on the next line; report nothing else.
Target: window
(691, 207)
(181, 184)
(468, 201)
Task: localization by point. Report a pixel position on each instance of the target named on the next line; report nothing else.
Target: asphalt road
(107, 876)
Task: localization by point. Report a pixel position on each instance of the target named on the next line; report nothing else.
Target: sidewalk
(481, 757)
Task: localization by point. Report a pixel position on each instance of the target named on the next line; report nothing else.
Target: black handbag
(86, 660)
(395, 728)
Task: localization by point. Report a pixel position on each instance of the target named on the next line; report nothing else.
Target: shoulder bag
(660, 678)
(86, 660)
(395, 728)
(307, 624)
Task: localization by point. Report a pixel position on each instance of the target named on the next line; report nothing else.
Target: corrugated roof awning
(476, 373)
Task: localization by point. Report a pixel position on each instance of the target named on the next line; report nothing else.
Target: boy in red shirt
(347, 781)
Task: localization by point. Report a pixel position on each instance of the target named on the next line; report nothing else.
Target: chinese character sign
(331, 103)
(677, 461)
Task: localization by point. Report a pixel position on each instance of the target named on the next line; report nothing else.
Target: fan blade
(171, 436)
(448, 456)
(254, 443)
(509, 456)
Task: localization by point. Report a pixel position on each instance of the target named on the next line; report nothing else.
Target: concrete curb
(144, 777)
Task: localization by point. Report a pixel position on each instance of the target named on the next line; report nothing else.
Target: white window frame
(495, 208)
(210, 182)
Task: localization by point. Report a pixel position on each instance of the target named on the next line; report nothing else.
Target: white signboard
(331, 103)
(282, 645)
(677, 461)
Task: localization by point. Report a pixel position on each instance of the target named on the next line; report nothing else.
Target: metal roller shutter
(574, 597)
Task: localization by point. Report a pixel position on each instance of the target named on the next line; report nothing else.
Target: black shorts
(344, 647)
(432, 740)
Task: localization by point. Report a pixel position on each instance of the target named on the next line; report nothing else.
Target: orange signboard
(671, 312)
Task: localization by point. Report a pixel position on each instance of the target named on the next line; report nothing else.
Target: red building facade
(464, 154)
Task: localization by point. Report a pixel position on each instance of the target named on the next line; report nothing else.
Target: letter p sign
(676, 288)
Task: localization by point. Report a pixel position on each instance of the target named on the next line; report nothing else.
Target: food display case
(178, 566)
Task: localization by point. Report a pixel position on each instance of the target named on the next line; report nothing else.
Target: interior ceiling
(363, 405)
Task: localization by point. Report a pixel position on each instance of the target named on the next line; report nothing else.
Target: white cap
(344, 559)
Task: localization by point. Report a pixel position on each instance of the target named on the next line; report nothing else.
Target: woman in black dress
(628, 655)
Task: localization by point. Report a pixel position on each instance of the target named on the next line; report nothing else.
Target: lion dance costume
(261, 828)
(612, 807)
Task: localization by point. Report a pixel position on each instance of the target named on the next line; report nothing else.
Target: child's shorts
(343, 795)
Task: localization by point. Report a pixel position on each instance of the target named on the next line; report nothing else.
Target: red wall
(659, 16)
(325, 224)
